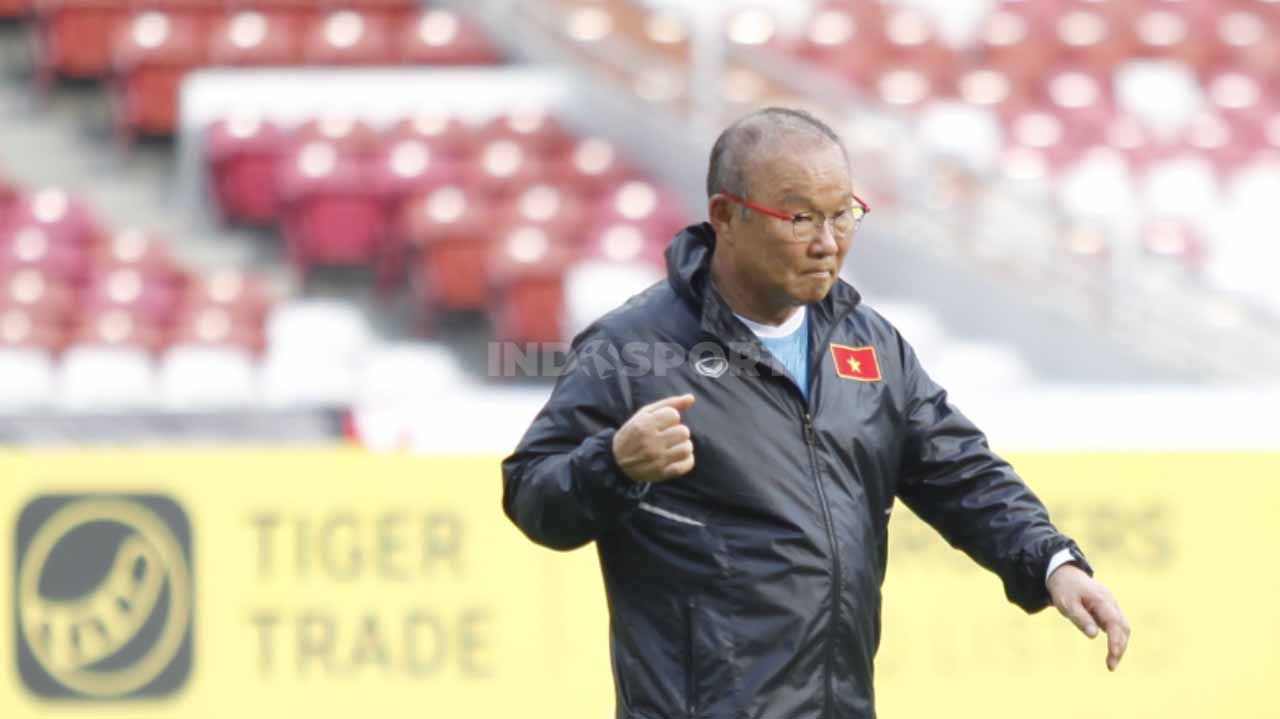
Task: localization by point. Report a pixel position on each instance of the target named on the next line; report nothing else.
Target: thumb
(678, 402)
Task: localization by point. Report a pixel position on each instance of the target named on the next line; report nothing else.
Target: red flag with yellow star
(856, 363)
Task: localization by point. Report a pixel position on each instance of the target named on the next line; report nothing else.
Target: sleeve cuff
(1062, 557)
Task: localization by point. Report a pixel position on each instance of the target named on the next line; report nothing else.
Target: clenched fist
(653, 446)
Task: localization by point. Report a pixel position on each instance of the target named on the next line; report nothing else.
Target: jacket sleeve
(562, 486)
(961, 488)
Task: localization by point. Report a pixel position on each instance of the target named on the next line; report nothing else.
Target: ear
(720, 212)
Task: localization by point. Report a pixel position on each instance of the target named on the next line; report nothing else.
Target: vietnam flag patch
(856, 363)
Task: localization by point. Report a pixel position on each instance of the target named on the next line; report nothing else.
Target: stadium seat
(407, 375)
(526, 272)
(503, 168)
(451, 231)
(534, 130)
(30, 246)
(243, 153)
(979, 366)
(252, 38)
(20, 327)
(594, 287)
(1249, 38)
(133, 248)
(589, 167)
(302, 378)
(44, 299)
(440, 37)
(149, 299)
(26, 378)
(149, 62)
(644, 204)
(552, 208)
(347, 37)
(201, 378)
(624, 242)
(328, 329)
(444, 133)
(106, 379)
(116, 326)
(1175, 239)
(330, 209)
(242, 296)
(76, 36)
(411, 166)
(61, 217)
(11, 10)
(1092, 39)
(837, 40)
(216, 326)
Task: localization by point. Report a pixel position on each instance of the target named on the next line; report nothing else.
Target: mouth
(818, 273)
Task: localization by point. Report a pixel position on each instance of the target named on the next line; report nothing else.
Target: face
(767, 264)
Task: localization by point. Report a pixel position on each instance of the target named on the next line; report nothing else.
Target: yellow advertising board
(338, 584)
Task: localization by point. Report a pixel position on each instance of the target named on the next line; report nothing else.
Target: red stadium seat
(837, 39)
(111, 326)
(590, 167)
(132, 248)
(1249, 40)
(440, 37)
(214, 326)
(16, 9)
(625, 242)
(452, 231)
(534, 129)
(243, 153)
(526, 271)
(76, 36)
(556, 210)
(331, 211)
(444, 133)
(20, 328)
(1174, 239)
(347, 37)
(350, 136)
(61, 217)
(1091, 39)
(243, 296)
(150, 60)
(643, 204)
(912, 44)
(252, 38)
(150, 299)
(46, 299)
(503, 168)
(31, 246)
(1175, 34)
(391, 12)
(1014, 42)
(408, 166)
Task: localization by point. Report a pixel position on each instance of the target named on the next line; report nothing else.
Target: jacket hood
(689, 271)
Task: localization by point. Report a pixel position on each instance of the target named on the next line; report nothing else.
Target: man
(740, 500)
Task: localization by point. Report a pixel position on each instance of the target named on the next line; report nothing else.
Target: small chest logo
(712, 367)
(856, 363)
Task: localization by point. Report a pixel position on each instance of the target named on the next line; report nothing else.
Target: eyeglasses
(807, 226)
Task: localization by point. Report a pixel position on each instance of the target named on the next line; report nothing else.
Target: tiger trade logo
(103, 600)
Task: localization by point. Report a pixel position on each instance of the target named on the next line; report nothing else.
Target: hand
(1088, 604)
(653, 446)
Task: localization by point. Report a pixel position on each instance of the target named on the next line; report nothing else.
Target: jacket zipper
(691, 676)
(811, 439)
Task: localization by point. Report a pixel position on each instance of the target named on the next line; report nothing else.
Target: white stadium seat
(407, 374)
(198, 378)
(106, 379)
(26, 380)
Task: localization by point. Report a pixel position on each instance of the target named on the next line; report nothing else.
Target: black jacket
(751, 586)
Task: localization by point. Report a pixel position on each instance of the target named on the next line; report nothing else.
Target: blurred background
(287, 278)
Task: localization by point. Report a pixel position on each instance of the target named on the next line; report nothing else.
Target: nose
(826, 241)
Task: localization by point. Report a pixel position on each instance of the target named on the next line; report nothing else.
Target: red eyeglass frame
(783, 215)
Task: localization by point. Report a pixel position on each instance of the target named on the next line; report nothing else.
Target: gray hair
(727, 171)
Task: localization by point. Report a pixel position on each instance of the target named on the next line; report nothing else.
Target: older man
(740, 500)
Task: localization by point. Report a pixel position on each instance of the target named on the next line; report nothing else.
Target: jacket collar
(689, 273)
